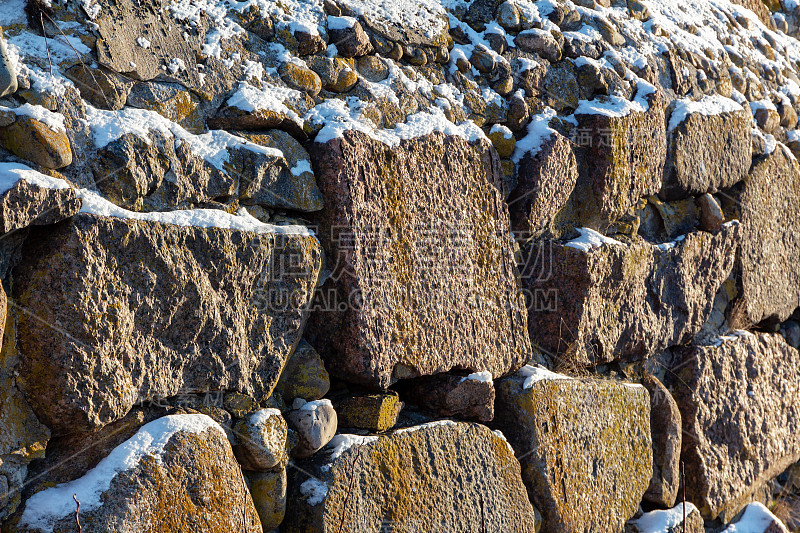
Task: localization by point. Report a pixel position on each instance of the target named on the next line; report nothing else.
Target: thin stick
(47, 47)
(350, 490)
(77, 513)
(683, 482)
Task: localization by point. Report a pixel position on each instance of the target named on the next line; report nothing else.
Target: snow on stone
(13, 12)
(341, 443)
(11, 173)
(314, 490)
(340, 23)
(301, 167)
(425, 16)
(614, 106)
(176, 65)
(533, 374)
(539, 131)
(93, 203)
(755, 519)
(311, 406)
(30, 45)
(709, 105)
(44, 508)
(190, 12)
(92, 10)
(503, 437)
(143, 42)
(54, 121)
(590, 239)
(108, 126)
(337, 117)
(269, 98)
(294, 15)
(484, 376)
(427, 425)
(663, 521)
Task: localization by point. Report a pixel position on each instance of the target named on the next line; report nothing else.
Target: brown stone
(741, 423)
(665, 428)
(35, 141)
(419, 235)
(449, 395)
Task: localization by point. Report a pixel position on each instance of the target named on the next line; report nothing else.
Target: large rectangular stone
(111, 311)
(741, 417)
(584, 445)
(424, 277)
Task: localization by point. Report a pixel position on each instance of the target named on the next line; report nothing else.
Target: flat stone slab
(424, 277)
(584, 445)
(441, 476)
(143, 310)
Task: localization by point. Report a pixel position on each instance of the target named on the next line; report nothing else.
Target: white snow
(261, 416)
(532, 374)
(484, 376)
(11, 173)
(426, 16)
(342, 442)
(92, 10)
(108, 126)
(143, 42)
(301, 167)
(337, 117)
(44, 508)
(708, 106)
(613, 106)
(755, 519)
(268, 98)
(311, 406)
(13, 12)
(341, 23)
(427, 425)
(54, 121)
(176, 65)
(508, 444)
(539, 131)
(314, 490)
(663, 521)
(293, 15)
(590, 239)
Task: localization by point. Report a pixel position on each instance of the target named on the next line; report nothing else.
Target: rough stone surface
(350, 41)
(35, 141)
(315, 424)
(374, 412)
(409, 481)
(164, 308)
(8, 75)
(408, 245)
(585, 448)
(27, 204)
(707, 153)
(196, 486)
(304, 375)
(621, 160)
(665, 428)
(268, 490)
(453, 396)
(740, 420)
(545, 182)
(260, 440)
(770, 271)
(624, 301)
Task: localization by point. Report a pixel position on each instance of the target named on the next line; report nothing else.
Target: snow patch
(539, 131)
(54, 121)
(533, 374)
(484, 376)
(755, 519)
(44, 508)
(314, 490)
(590, 239)
(663, 521)
(708, 106)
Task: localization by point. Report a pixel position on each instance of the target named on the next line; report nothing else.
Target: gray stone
(350, 41)
(170, 100)
(584, 445)
(711, 216)
(465, 397)
(260, 440)
(102, 88)
(741, 424)
(420, 235)
(335, 74)
(154, 309)
(27, 204)
(665, 428)
(8, 75)
(191, 482)
(706, 152)
(624, 301)
(620, 160)
(540, 42)
(770, 273)
(304, 375)
(545, 181)
(444, 476)
(315, 424)
(767, 119)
